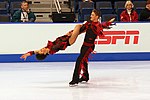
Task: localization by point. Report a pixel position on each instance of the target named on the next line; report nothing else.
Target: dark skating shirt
(93, 29)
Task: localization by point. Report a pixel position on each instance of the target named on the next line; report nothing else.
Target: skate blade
(73, 85)
(84, 82)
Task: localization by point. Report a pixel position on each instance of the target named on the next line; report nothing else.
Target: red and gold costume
(60, 43)
(93, 29)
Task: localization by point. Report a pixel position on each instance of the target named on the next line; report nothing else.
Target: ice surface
(118, 80)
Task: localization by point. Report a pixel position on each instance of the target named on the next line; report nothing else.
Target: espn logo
(112, 37)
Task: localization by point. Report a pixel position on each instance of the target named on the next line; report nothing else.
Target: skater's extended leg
(74, 34)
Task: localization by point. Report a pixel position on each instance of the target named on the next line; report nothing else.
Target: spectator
(145, 14)
(24, 14)
(129, 15)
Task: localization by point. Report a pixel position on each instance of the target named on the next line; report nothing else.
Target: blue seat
(119, 7)
(16, 0)
(106, 10)
(139, 4)
(86, 17)
(104, 4)
(3, 1)
(3, 11)
(84, 9)
(138, 10)
(3, 7)
(119, 4)
(119, 11)
(84, 12)
(14, 6)
(105, 7)
(107, 17)
(4, 18)
(85, 5)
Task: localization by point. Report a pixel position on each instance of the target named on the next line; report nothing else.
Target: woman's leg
(74, 34)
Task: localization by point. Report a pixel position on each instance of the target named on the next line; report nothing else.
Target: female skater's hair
(41, 56)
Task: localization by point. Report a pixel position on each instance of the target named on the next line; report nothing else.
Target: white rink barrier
(123, 38)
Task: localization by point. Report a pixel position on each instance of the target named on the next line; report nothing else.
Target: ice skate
(83, 79)
(73, 83)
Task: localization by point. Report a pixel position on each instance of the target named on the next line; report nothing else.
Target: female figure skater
(60, 43)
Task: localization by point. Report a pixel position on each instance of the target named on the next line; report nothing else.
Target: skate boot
(73, 83)
(83, 79)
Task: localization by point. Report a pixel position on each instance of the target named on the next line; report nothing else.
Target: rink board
(72, 57)
(125, 41)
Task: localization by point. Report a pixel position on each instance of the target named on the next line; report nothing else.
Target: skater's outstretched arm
(43, 51)
(108, 23)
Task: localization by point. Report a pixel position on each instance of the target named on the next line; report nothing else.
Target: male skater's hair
(41, 56)
(97, 12)
(24, 2)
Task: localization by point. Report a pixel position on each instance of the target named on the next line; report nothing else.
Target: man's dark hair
(40, 56)
(97, 12)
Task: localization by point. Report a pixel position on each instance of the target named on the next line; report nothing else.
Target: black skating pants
(81, 66)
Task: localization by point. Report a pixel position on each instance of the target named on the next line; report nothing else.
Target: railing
(57, 5)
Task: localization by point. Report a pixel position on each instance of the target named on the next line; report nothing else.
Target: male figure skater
(93, 28)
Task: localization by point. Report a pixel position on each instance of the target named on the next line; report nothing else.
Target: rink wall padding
(123, 42)
(5, 58)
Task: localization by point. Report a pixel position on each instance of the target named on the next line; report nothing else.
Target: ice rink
(118, 80)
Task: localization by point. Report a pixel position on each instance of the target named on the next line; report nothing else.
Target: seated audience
(145, 13)
(129, 14)
(24, 14)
